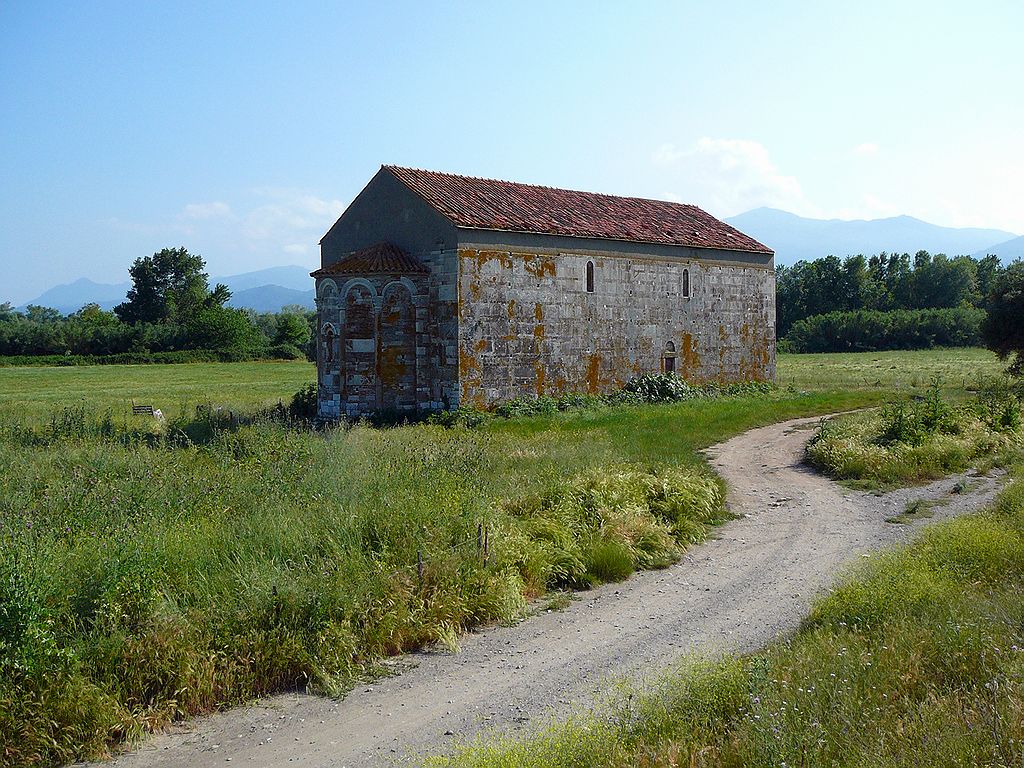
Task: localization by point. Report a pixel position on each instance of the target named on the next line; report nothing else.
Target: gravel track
(752, 582)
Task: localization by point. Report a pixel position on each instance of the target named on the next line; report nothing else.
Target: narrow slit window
(328, 333)
(590, 277)
(668, 359)
(686, 283)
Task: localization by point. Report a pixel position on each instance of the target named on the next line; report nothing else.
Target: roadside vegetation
(917, 658)
(151, 571)
(910, 441)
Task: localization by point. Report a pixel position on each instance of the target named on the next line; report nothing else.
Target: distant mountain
(293, 276)
(1008, 251)
(71, 297)
(266, 290)
(794, 238)
(271, 298)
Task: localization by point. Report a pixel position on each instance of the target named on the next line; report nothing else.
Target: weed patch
(919, 509)
(909, 442)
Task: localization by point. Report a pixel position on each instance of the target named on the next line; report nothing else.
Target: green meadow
(150, 572)
(175, 389)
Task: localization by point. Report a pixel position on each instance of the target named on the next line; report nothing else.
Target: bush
(463, 416)
(1000, 403)
(286, 352)
(662, 388)
(871, 331)
(305, 403)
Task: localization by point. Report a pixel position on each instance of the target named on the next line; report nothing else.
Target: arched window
(328, 337)
(668, 359)
(686, 283)
(590, 277)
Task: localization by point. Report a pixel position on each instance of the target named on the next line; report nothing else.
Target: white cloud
(201, 211)
(258, 228)
(729, 176)
(290, 215)
(867, 149)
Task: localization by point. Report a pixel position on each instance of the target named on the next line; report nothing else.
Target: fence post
(479, 537)
(419, 565)
(487, 544)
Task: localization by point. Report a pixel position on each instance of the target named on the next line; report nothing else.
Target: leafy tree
(943, 282)
(37, 314)
(1003, 329)
(92, 315)
(224, 329)
(292, 329)
(169, 287)
(987, 273)
(6, 311)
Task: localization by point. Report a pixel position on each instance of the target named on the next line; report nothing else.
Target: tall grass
(909, 442)
(148, 574)
(916, 659)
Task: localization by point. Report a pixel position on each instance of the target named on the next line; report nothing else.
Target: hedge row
(871, 331)
(278, 352)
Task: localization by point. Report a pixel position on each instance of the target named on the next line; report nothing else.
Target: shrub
(305, 403)
(463, 416)
(662, 388)
(870, 331)
(286, 352)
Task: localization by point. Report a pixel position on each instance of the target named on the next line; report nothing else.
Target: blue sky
(242, 130)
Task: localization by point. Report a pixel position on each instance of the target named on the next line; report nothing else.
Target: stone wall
(528, 325)
(387, 342)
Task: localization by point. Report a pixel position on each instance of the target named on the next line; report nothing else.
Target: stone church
(439, 290)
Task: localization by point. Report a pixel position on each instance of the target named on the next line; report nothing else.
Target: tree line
(889, 301)
(886, 301)
(170, 313)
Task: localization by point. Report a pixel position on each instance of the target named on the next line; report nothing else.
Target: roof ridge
(475, 202)
(534, 186)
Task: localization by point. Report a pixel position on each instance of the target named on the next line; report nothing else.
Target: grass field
(172, 388)
(911, 370)
(148, 577)
(176, 389)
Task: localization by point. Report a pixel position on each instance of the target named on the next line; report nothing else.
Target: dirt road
(753, 582)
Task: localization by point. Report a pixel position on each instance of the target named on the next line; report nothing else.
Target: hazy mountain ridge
(793, 238)
(1008, 251)
(796, 238)
(271, 298)
(259, 290)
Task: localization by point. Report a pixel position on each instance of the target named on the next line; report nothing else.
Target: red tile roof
(505, 205)
(382, 258)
